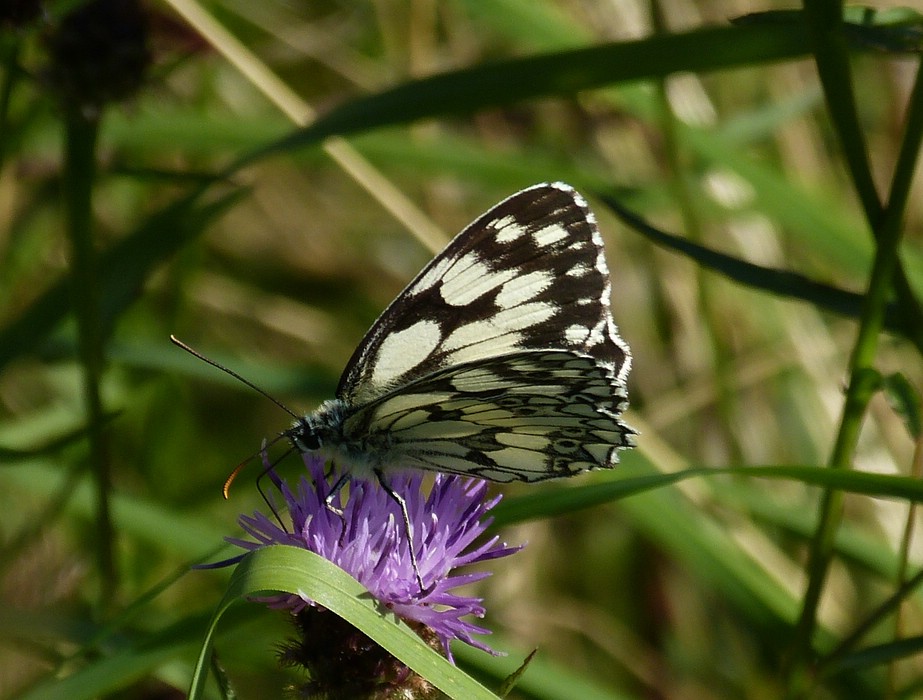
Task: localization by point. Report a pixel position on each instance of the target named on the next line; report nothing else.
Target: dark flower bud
(98, 54)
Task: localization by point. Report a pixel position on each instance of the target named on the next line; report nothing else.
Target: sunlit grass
(273, 251)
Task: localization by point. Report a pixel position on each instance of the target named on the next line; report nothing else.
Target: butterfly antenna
(225, 490)
(227, 370)
(240, 467)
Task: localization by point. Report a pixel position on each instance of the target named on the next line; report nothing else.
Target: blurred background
(122, 198)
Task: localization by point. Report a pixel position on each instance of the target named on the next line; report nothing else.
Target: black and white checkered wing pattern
(524, 416)
(500, 360)
(530, 274)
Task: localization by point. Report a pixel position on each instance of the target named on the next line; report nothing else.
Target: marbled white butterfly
(500, 360)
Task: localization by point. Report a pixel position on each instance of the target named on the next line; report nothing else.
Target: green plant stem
(888, 233)
(79, 171)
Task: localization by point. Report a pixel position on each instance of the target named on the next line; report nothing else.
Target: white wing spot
(523, 316)
(469, 279)
(476, 379)
(576, 334)
(603, 454)
(502, 222)
(552, 389)
(438, 430)
(450, 463)
(582, 410)
(405, 403)
(401, 351)
(507, 229)
(508, 342)
(597, 335)
(578, 270)
(496, 335)
(411, 419)
(433, 275)
(478, 332)
(549, 235)
(523, 287)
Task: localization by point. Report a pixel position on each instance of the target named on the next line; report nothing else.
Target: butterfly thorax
(325, 432)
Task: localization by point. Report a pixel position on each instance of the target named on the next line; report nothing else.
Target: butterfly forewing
(499, 360)
(530, 274)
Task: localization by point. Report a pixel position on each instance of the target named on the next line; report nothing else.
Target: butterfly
(500, 360)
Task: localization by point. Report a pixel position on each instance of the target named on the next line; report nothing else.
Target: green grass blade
(779, 282)
(879, 654)
(298, 571)
(621, 485)
(559, 73)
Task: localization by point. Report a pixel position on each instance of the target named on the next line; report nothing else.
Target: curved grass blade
(780, 282)
(894, 30)
(878, 655)
(294, 570)
(559, 73)
(567, 500)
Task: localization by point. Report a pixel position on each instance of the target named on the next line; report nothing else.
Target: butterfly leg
(269, 471)
(328, 502)
(330, 467)
(402, 504)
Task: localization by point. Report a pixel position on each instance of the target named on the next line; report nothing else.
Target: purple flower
(370, 542)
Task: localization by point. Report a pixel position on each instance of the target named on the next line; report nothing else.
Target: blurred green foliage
(207, 192)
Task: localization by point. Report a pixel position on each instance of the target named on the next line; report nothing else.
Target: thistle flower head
(364, 533)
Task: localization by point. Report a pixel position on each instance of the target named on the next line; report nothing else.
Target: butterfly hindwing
(526, 416)
(529, 274)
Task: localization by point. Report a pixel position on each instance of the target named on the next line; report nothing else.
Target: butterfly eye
(304, 436)
(307, 442)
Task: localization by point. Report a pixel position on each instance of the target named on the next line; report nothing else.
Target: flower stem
(79, 170)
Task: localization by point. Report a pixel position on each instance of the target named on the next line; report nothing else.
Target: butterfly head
(320, 429)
